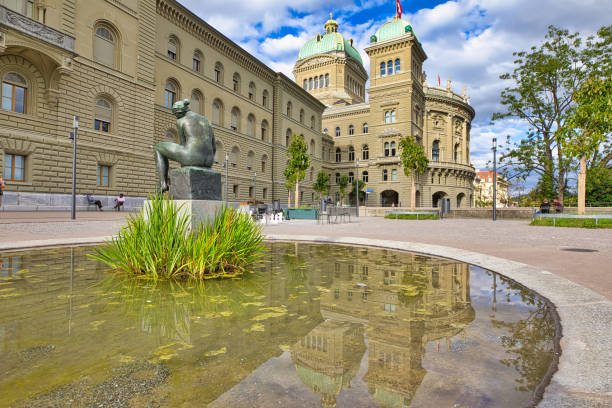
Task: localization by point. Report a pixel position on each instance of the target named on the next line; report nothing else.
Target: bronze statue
(197, 143)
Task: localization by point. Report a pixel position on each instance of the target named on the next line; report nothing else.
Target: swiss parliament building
(119, 65)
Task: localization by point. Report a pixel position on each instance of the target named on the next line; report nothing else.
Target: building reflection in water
(398, 310)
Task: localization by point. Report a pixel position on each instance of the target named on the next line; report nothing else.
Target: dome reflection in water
(316, 325)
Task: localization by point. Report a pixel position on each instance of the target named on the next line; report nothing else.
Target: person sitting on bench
(92, 200)
(120, 201)
(545, 207)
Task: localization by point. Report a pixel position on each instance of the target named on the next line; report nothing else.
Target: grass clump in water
(158, 243)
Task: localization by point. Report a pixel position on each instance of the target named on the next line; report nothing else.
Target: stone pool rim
(582, 378)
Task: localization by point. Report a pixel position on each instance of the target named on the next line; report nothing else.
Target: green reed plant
(159, 243)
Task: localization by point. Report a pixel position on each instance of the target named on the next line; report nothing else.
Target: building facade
(119, 65)
(400, 104)
(483, 189)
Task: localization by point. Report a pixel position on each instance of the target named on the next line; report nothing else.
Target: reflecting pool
(313, 326)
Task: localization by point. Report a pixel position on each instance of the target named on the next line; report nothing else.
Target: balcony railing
(450, 165)
(33, 28)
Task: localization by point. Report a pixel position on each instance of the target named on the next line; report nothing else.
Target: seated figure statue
(197, 143)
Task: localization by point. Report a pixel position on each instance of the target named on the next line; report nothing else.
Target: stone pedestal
(195, 183)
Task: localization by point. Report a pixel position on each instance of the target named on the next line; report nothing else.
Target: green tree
(589, 122)
(415, 162)
(354, 187)
(599, 186)
(544, 80)
(343, 184)
(299, 162)
(321, 186)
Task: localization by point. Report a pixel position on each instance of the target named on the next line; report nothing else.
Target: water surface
(316, 325)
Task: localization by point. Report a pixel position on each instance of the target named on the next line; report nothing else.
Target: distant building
(483, 189)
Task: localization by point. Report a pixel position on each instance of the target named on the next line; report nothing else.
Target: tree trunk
(289, 199)
(560, 176)
(297, 194)
(582, 186)
(413, 194)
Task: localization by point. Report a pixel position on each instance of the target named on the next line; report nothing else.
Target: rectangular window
(102, 126)
(196, 65)
(217, 75)
(235, 190)
(171, 55)
(13, 98)
(103, 176)
(24, 7)
(250, 192)
(394, 175)
(14, 167)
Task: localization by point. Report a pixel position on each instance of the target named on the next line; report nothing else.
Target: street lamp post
(357, 184)
(226, 179)
(494, 178)
(73, 135)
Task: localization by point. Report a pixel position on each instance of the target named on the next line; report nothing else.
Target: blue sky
(469, 41)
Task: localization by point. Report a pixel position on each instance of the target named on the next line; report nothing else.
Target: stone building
(483, 189)
(400, 104)
(119, 65)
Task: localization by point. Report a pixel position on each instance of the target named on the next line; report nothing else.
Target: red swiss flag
(398, 8)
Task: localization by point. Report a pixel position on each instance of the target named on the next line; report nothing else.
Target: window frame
(13, 87)
(101, 177)
(13, 161)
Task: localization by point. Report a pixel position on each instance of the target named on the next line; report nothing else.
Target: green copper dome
(331, 41)
(392, 29)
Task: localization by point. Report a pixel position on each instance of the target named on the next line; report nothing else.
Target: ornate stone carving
(52, 96)
(35, 29)
(2, 41)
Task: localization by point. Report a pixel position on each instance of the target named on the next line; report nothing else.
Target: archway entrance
(436, 199)
(460, 200)
(389, 198)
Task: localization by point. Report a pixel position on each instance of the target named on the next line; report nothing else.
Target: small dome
(392, 29)
(331, 41)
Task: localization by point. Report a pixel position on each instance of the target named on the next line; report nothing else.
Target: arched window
(394, 175)
(173, 48)
(365, 176)
(435, 151)
(196, 102)
(365, 152)
(252, 91)
(310, 84)
(289, 109)
(218, 74)
(351, 155)
(217, 112)
(305, 84)
(326, 80)
(236, 82)
(393, 116)
(312, 122)
(264, 98)
(235, 119)
(264, 130)
(218, 150)
(103, 115)
(365, 128)
(105, 46)
(234, 155)
(383, 69)
(351, 130)
(197, 61)
(171, 93)
(338, 155)
(456, 152)
(14, 93)
(387, 151)
(321, 81)
(397, 66)
(250, 158)
(337, 131)
(385, 175)
(392, 148)
(389, 67)
(251, 125)
(316, 83)
(301, 115)
(288, 137)
(312, 147)
(351, 176)
(264, 162)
